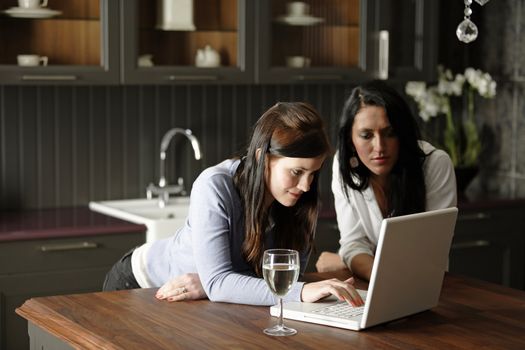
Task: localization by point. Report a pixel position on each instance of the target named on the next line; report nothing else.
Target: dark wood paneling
(81, 150)
(64, 157)
(27, 146)
(66, 145)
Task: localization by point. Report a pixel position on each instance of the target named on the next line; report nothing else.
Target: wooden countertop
(60, 222)
(471, 314)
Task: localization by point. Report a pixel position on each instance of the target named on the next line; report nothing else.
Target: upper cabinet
(59, 41)
(170, 41)
(216, 41)
(345, 40)
(315, 41)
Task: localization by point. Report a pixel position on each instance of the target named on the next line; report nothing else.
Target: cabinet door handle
(318, 77)
(474, 216)
(471, 244)
(49, 77)
(383, 54)
(193, 77)
(67, 246)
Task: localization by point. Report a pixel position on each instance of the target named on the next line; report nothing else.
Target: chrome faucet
(163, 190)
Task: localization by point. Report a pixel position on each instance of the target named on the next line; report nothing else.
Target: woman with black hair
(268, 198)
(382, 169)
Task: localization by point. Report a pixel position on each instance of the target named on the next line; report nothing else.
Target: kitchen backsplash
(63, 146)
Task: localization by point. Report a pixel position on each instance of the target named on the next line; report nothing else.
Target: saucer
(40, 12)
(300, 20)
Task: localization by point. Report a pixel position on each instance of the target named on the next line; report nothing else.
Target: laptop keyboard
(341, 310)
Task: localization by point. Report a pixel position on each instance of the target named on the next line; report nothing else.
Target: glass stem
(281, 323)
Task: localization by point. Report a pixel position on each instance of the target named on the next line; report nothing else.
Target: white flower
(416, 89)
(430, 101)
(433, 101)
(449, 87)
(462, 144)
(481, 82)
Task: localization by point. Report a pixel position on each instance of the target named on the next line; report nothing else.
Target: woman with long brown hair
(268, 198)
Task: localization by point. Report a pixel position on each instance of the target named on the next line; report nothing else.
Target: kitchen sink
(161, 222)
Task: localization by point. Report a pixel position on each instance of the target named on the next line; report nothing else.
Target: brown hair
(287, 129)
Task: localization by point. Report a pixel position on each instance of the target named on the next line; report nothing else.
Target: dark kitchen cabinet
(328, 41)
(212, 45)
(489, 244)
(78, 42)
(346, 40)
(51, 267)
(259, 42)
(143, 42)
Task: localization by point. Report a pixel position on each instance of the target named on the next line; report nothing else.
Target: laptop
(407, 275)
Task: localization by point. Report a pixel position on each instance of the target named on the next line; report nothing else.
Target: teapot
(207, 57)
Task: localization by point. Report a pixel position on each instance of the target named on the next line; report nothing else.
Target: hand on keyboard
(343, 290)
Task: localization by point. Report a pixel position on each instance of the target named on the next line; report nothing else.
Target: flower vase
(464, 176)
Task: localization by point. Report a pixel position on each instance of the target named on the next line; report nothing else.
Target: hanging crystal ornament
(482, 2)
(467, 30)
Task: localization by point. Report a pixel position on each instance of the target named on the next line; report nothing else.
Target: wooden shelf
(208, 15)
(64, 42)
(334, 12)
(216, 23)
(180, 48)
(334, 45)
(71, 38)
(70, 9)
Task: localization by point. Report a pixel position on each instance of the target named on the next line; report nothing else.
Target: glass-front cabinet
(170, 41)
(344, 40)
(216, 41)
(315, 40)
(59, 41)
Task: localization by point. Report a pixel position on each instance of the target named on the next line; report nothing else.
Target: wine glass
(280, 271)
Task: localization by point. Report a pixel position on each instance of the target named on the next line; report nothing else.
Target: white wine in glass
(280, 271)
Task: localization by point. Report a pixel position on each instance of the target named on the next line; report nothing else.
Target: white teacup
(297, 61)
(145, 60)
(31, 60)
(297, 9)
(32, 4)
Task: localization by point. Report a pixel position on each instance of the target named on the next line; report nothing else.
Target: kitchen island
(53, 252)
(471, 314)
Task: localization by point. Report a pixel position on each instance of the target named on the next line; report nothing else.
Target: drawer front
(489, 245)
(490, 221)
(66, 253)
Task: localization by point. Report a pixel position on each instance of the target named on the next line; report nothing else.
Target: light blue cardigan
(210, 243)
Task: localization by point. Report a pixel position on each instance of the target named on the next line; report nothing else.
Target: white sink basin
(161, 222)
